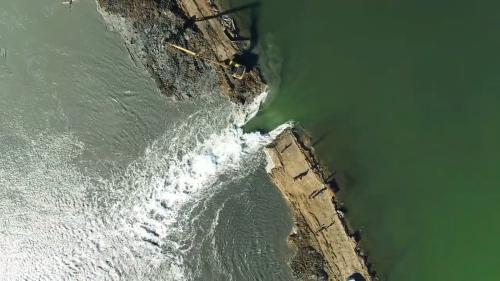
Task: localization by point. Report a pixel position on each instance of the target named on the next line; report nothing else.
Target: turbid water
(401, 98)
(103, 178)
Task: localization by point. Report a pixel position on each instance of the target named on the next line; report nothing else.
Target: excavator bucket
(238, 70)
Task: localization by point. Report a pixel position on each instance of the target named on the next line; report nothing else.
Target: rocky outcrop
(325, 250)
(147, 27)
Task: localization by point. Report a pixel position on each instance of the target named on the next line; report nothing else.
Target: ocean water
(103, 178)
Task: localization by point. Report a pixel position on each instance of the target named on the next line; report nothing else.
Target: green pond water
(402, 100)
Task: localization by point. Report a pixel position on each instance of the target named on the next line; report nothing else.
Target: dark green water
(402, 98)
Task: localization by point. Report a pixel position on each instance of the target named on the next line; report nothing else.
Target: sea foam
(134, 225)
(183, 174)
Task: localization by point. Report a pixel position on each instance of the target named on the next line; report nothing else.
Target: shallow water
(401, 98)
(103, 178)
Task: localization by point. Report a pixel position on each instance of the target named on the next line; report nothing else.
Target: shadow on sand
(247, 57)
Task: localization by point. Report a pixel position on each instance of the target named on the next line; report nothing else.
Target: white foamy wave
(245, 113)
(132, 226)
(176, 180)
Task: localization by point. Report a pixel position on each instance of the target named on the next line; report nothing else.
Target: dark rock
(156, 22)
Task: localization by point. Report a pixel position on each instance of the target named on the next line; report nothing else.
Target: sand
(318, 223)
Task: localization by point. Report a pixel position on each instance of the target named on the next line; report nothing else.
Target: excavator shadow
(231, 11)
(247, 57)
(243, 61)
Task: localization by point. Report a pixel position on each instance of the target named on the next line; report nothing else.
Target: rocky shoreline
(325, 249)
(149, 26)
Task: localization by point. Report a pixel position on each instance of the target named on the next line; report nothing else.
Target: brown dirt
(319, 236)
(222, 47)
(157, 22)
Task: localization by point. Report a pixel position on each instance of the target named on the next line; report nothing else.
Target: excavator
(236, 70)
